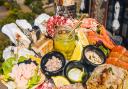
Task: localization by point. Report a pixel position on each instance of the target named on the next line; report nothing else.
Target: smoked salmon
(89, 23)
(118, 57)
(94, 37)
(117, 62)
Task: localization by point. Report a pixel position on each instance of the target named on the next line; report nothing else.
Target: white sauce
(75, 74)
(93, 57)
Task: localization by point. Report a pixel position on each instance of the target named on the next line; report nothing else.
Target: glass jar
(63, 42)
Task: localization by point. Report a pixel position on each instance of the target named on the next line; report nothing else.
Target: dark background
(123, 19)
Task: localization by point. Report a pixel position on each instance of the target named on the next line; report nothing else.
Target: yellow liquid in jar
(64, 44)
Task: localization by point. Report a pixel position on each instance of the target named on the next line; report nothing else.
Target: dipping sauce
(53, 64)
(93, 57)
(76, 74)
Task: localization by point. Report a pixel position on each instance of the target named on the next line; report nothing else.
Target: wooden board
(2, 86)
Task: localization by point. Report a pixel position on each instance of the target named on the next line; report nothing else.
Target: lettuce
(21, 59)
(8, 64)
(105, 50)
(34, 80)
(7, 67)
(1, 70)
(7, 78)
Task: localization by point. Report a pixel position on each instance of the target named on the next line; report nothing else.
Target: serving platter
(68, 54)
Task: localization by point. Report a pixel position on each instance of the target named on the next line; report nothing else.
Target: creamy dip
(93, 57)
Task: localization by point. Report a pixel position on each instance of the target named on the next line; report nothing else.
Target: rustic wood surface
(2, 86)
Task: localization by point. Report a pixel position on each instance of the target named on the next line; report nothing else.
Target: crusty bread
(106, 76)
(43, 45)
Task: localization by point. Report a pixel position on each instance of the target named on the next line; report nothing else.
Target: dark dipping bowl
(88, 63)
(49, 56)
(76, 64)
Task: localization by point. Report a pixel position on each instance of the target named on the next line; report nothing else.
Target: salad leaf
(1, 70)
(7, 67)
(7, 77)
(106, 51)
(21, 59)
(98, 29)
(8, 64)
(110, 70)
(34, 80)
(76, 37)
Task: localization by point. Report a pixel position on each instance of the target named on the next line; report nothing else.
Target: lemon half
(82, 37)
(60, 81)
(77, 52)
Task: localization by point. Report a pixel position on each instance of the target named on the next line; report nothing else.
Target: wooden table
(2, 86)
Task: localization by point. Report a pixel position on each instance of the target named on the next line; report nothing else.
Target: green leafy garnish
(8, 64)
(111, 87)
(7, 77)
(110, 70)
(7, 67)
(106, 51)
(21, 59)
(1, 70)
(98, 30)
(34, 80)
(76, 37)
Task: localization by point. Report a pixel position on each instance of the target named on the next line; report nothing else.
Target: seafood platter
(62, 53)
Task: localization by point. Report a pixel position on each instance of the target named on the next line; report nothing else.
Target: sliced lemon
(60, 81)
(77, 52)
(82, 37)
(38, 60)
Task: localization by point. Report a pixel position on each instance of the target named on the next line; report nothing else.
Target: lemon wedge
(82, 37)
(60, 81)
(38, 60)
(77, 52)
